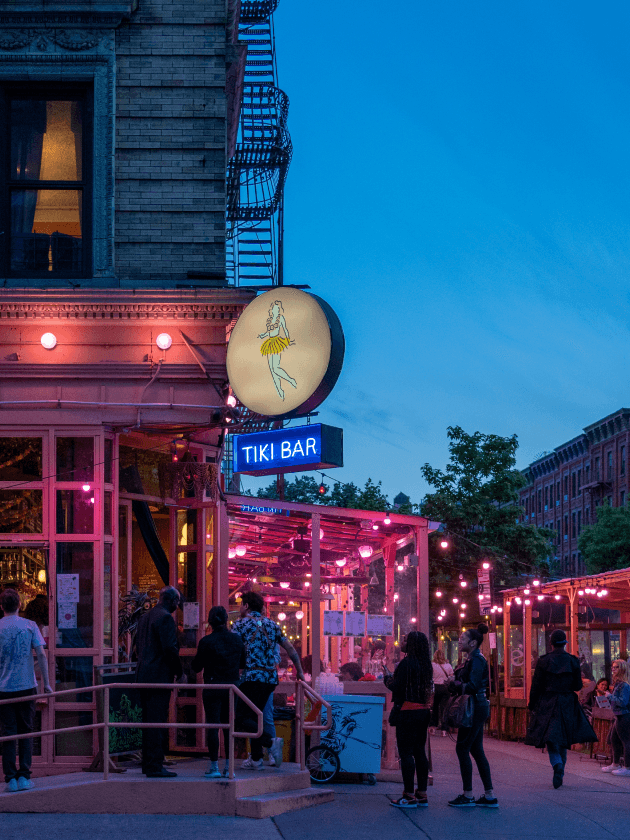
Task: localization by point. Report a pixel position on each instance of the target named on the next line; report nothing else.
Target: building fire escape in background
(258, 168)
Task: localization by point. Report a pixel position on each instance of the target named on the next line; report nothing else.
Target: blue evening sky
(460, 194)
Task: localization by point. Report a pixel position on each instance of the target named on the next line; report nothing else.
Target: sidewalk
(590, 804)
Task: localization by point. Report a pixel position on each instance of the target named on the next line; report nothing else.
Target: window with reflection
(20, 459)
(75, 595)
(75, 459)
(47, 188)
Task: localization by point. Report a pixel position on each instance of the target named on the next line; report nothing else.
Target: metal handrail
(106, 725)
(302, 690)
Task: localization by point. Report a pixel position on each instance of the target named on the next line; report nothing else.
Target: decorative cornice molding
(47, 20)
(74, 40)
(223, 306)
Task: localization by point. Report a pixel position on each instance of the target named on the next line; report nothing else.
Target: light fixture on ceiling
(299, 615)
(341, 561)
(366, 551)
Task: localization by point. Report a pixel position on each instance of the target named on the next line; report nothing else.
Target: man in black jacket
(158, 662)
(557, 719)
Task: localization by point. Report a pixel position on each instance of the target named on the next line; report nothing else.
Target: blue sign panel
(296, 449)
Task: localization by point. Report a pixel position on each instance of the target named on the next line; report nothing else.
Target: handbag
(459, 711)
(394, 715)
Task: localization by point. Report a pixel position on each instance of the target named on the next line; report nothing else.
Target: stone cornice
(25, 305)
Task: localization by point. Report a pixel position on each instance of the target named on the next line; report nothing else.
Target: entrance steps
(255, 794)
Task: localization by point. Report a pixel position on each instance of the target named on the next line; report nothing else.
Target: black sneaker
(484, 802)
(558, 773)
(463, 802)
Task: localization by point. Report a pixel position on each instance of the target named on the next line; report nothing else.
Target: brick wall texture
(170, 142)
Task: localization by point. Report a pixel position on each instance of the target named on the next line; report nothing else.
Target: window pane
(122, 550)
(107, 513)
(21, 511)
(107, 595)
(75, 459)
(139, 470)
(46, 230)
(46, 140)
(75, 512)
(186, 527)
(74, 743)
(187, 574)
(73, 672)
(24, 568)
(108, 466)
(20, 459)
(75, 620)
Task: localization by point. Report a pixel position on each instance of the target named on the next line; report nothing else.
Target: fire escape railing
(258, 169)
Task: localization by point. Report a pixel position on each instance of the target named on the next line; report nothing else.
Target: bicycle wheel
(322, 764)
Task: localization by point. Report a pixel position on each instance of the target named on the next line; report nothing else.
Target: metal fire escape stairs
(258, 170)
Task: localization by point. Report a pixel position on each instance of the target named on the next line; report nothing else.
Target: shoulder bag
(458, 711)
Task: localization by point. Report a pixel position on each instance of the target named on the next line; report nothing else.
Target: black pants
(16, 719)
(439, 701)
(217, 707)
(411, 738)
(470, 743)
(258, 693)
(154, 741)
(620, 739)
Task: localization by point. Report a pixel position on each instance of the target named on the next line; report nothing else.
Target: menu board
(333, 622)
(380, 625)
(355, 624)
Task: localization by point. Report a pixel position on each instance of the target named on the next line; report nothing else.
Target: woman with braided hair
(274, 345)
(412, 686)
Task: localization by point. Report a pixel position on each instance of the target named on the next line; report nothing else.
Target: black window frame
(47, 91)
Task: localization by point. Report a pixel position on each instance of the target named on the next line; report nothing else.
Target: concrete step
(272, 804)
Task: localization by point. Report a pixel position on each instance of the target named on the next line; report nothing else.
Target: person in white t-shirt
(19, 637)
(442, 675)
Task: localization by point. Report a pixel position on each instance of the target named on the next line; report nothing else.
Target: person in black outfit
(412, 687)
(557, 718)
(220, 654)
(472, 678)
(158, 662)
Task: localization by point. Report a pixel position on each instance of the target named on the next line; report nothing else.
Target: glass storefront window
(73, 672)
(107, 594)
(75, 512)
(187, 574)
(75, 459)
(123, 559)
(107, 513)
(20, 459)
(24, 568)
(517, 657)
(140, 470)
(75, 595)
(21, 511)
(108, 465)
(186, 527)
(74, 743)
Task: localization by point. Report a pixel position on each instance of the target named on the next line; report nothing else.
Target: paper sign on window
(333, 622)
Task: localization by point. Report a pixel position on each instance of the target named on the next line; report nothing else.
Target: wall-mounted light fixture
(49, 341)
(163, 341)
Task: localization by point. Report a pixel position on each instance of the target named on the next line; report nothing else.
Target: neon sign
(297, 449)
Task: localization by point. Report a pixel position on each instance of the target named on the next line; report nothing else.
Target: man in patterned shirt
(261, 635)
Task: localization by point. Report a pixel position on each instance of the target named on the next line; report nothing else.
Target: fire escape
(258, 169)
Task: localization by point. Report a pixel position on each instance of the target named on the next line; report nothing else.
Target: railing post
(231, 738)
(106, 732)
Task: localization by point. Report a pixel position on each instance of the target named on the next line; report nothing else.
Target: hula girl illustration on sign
(274, 344)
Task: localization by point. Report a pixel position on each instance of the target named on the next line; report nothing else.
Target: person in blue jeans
(472, 678)
(557, 719)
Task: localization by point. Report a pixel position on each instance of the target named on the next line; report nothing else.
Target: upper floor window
(46, 181)
(622, 461)
(609, 466)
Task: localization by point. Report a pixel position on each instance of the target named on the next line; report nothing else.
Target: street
(590, 804)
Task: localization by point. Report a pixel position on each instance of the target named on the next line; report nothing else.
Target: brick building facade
(564, 487)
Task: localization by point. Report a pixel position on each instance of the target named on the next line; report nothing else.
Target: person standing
(472, 678)
(412, 687)
(442, 675)
(158, 662)
(557, 718)
(261, 635)
(220, 655)
(19, 637)
(620, 732)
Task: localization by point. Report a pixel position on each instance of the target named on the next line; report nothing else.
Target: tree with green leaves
(605, 546)
(306, 490)
(476, 498)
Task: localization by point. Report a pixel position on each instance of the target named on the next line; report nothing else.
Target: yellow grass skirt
(276, 344)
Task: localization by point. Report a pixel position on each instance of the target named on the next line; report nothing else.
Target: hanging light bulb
(541, 597)
(527, 602)
(284, 584)
(526, 591)
(341, 561)
(438, 594)
(395, 596)
(241, 550)
(444, 544)
(486, 565)
(299, 615)
(86, 488)
(400, 568)
(366, 551)
(463, 584)
(282, 616)
(387, 519)
(231, 553)
(536, 582)
(557, 597)
(413, 620)
(456, 600)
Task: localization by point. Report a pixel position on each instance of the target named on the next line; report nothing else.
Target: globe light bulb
(486, 565)
(282, 616)
(284, 584)
(341, 562)
(241, 550)
(86, 488)
(299, 615)
(387, 520)
(231, 401)
(49, 341)
(438, 594)
(163, 341)
(444, 544)
(366, 551)
(231, 553)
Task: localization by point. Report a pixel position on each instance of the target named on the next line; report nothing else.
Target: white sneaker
(622, 771)
(275, 751)
(250, 764)
(610, 768)
(272, 761)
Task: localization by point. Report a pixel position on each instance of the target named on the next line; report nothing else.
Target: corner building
(116, 118)
(566, 486)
